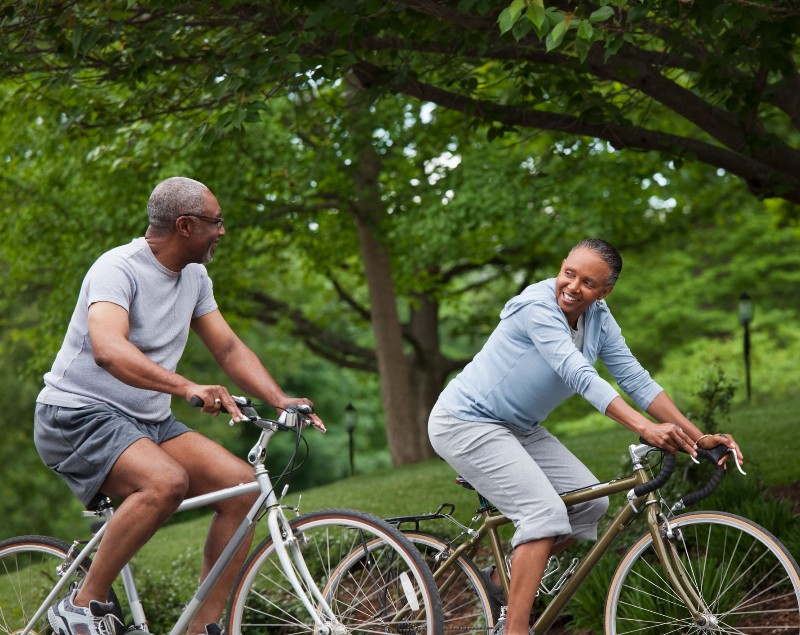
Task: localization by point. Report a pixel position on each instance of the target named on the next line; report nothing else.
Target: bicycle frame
(286, 547)
(666, 553)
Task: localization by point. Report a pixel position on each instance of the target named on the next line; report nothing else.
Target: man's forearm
(244, 368)
(128, 364)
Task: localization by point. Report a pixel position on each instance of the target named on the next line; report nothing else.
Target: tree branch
(761, 179)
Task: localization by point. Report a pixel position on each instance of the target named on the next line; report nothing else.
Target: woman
(487, 422)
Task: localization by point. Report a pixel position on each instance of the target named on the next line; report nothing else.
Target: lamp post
(746, 310)
(350, 419)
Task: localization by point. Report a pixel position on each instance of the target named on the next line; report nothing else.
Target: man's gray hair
(176, 196)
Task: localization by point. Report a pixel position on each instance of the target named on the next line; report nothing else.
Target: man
(103, 420)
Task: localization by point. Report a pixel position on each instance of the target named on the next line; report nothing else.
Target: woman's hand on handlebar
(669, 437)
(303, 401)
(215, 399)
(713, 440)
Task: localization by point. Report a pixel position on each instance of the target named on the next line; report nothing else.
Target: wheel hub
(707, 622)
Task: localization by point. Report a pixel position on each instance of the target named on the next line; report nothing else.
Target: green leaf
(556, 36)
(509, 16)
(603, 13)
(505, 20)
(536, 14)
(76, 40)
(516, 8)
(585, 30)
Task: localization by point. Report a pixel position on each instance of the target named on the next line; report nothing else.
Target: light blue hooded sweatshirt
(530, 365)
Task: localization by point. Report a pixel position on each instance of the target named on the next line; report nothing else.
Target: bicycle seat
(98, 503)
(460, 480)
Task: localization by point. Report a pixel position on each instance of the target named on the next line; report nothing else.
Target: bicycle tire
(745, 576)
(466, 603)
(372, 577)
(29, 569)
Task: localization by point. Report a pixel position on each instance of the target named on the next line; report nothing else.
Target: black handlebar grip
(196, 402)
(667, 468)
(713, 483)
(714, 454)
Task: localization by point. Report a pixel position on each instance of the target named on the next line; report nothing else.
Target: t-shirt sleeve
(205, 296)
(110, 279)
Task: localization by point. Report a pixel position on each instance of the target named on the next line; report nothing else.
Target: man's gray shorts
(82, 444)
(521, 474)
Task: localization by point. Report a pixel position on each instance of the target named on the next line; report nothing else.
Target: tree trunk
(403, 434)
(429, 369)
(407, 439)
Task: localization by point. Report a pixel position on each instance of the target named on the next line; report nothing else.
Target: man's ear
(609, 288)
(184, 225)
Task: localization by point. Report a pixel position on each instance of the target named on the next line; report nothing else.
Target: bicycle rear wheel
(746, 578)
(372, 577)
(30, 566)
(466, 604)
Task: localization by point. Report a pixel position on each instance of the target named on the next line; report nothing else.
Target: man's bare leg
(148, 503)
(211, 467)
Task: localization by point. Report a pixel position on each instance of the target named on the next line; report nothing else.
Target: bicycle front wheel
(30, 566)
(747, 580)
(368, 573)
(466, 604)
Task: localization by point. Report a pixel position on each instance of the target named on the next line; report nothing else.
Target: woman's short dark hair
(607, 252)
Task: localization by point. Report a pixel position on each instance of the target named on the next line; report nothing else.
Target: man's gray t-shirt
(160, 305)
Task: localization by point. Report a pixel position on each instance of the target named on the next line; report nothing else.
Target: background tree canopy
(712, 82)
(392, 172)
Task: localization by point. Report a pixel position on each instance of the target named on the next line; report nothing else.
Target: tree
(223, 69)
(697, 81)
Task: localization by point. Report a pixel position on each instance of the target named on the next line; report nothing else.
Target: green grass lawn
(767, 434)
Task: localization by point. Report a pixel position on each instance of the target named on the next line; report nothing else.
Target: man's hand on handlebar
(215, 400)
(303, 401)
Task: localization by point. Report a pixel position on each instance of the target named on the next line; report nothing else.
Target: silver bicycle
(329, 572)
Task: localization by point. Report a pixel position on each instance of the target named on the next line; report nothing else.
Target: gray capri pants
(522, 474)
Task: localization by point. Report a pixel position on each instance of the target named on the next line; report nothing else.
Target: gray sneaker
(97, 619)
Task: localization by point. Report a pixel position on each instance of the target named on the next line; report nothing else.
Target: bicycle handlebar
(248, 410)
(713, 455)
(663, 476)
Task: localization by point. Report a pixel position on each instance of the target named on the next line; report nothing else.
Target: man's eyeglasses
(217, 220)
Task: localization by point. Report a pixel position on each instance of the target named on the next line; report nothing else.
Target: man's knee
(168, 488)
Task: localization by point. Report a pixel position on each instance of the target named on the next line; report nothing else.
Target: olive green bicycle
(697, 572)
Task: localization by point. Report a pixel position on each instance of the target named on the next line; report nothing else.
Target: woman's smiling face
(582, 281)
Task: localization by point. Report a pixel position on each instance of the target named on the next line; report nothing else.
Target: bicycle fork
(664, 544)
(288, 548)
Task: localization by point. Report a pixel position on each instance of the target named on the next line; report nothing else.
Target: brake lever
(736, 460)
(727, 451)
